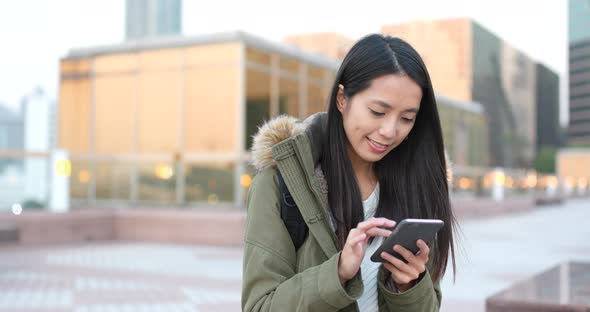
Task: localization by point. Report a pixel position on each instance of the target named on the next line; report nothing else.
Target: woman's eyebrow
(387, 105)
(382, 103)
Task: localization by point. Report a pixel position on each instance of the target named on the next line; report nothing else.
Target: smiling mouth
(377, 144)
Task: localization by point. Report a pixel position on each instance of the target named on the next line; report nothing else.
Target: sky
(35, 34)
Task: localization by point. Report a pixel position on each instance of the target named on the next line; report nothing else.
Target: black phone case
(406, 234)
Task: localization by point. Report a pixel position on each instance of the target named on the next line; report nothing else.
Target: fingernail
(396, 247)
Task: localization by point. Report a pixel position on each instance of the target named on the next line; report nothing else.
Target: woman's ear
(341, 99)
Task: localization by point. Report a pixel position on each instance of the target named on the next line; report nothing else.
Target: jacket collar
(285, 127)
(295, 148)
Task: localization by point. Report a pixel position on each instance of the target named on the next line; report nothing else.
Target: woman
(375, 157)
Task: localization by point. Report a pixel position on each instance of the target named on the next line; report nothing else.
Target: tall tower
(145, 19)
(579, 71)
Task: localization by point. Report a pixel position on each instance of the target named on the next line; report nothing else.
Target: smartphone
(405, 234)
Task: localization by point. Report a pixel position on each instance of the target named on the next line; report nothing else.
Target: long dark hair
(412, 177)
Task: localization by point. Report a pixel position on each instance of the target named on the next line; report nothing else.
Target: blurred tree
(32, 203)
(545, 160)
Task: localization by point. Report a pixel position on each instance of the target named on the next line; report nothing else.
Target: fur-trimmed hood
(282, 128)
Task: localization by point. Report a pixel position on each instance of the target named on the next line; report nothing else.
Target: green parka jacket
(276, 277)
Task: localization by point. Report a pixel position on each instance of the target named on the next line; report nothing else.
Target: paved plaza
(123, 277)
(499, 251)
(120, 276)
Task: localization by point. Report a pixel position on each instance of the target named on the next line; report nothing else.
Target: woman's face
(379, 118)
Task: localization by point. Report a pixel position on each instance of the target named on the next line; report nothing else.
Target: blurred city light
(569, 182)
(450, 174)
(465, 183)
(551, 181)
(212, 199)
(246, 180)
(164, 171)
(582, 182)
(17, 209)
(499, 177)
(531, 180)
(63, 167)
(84, 176)
(509, 182)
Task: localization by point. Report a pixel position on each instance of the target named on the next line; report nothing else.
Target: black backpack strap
(291, 215)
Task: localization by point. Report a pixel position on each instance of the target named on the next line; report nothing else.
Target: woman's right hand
(353, 251)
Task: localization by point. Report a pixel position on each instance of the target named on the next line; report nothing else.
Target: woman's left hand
(405, 274)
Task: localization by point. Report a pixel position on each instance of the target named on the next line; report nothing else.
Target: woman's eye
(408, 119)
(377, 113)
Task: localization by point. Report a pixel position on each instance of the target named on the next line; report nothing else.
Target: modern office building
(468, 62)
(24, 158)
(464, 122)
(172, 122)
(465, 132)
(579, 72)
(148, 19)
(548, 128)
(11, 139)
(11, 129)
(573, 164)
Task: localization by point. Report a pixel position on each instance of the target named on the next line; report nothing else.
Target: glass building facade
(466, 61)
(548, 129)
(504, 81)
(171, 123)
(579, 72)
(465, 132)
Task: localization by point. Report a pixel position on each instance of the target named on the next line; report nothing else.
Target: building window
(258, 97)
(211, 183)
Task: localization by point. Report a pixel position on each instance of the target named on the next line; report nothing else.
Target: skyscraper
(11, 129)
(579, 71)
(468, 62)
(152, 18)
(548, 131)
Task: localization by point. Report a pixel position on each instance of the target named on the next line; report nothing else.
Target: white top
(369, 269)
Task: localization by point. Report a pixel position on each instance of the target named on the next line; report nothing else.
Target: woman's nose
(388, 130)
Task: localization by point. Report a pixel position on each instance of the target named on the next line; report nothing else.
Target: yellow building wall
(317, 98)
(158, 112)
(81, 66)
(138, 100)
(289, 97)
(319, 88)
(212, 54)
(445, 47)
(211, 100)
(573, 163)
(160, 59)
(115, 63)
(211, 97)
(114, 100)
(74, 99)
